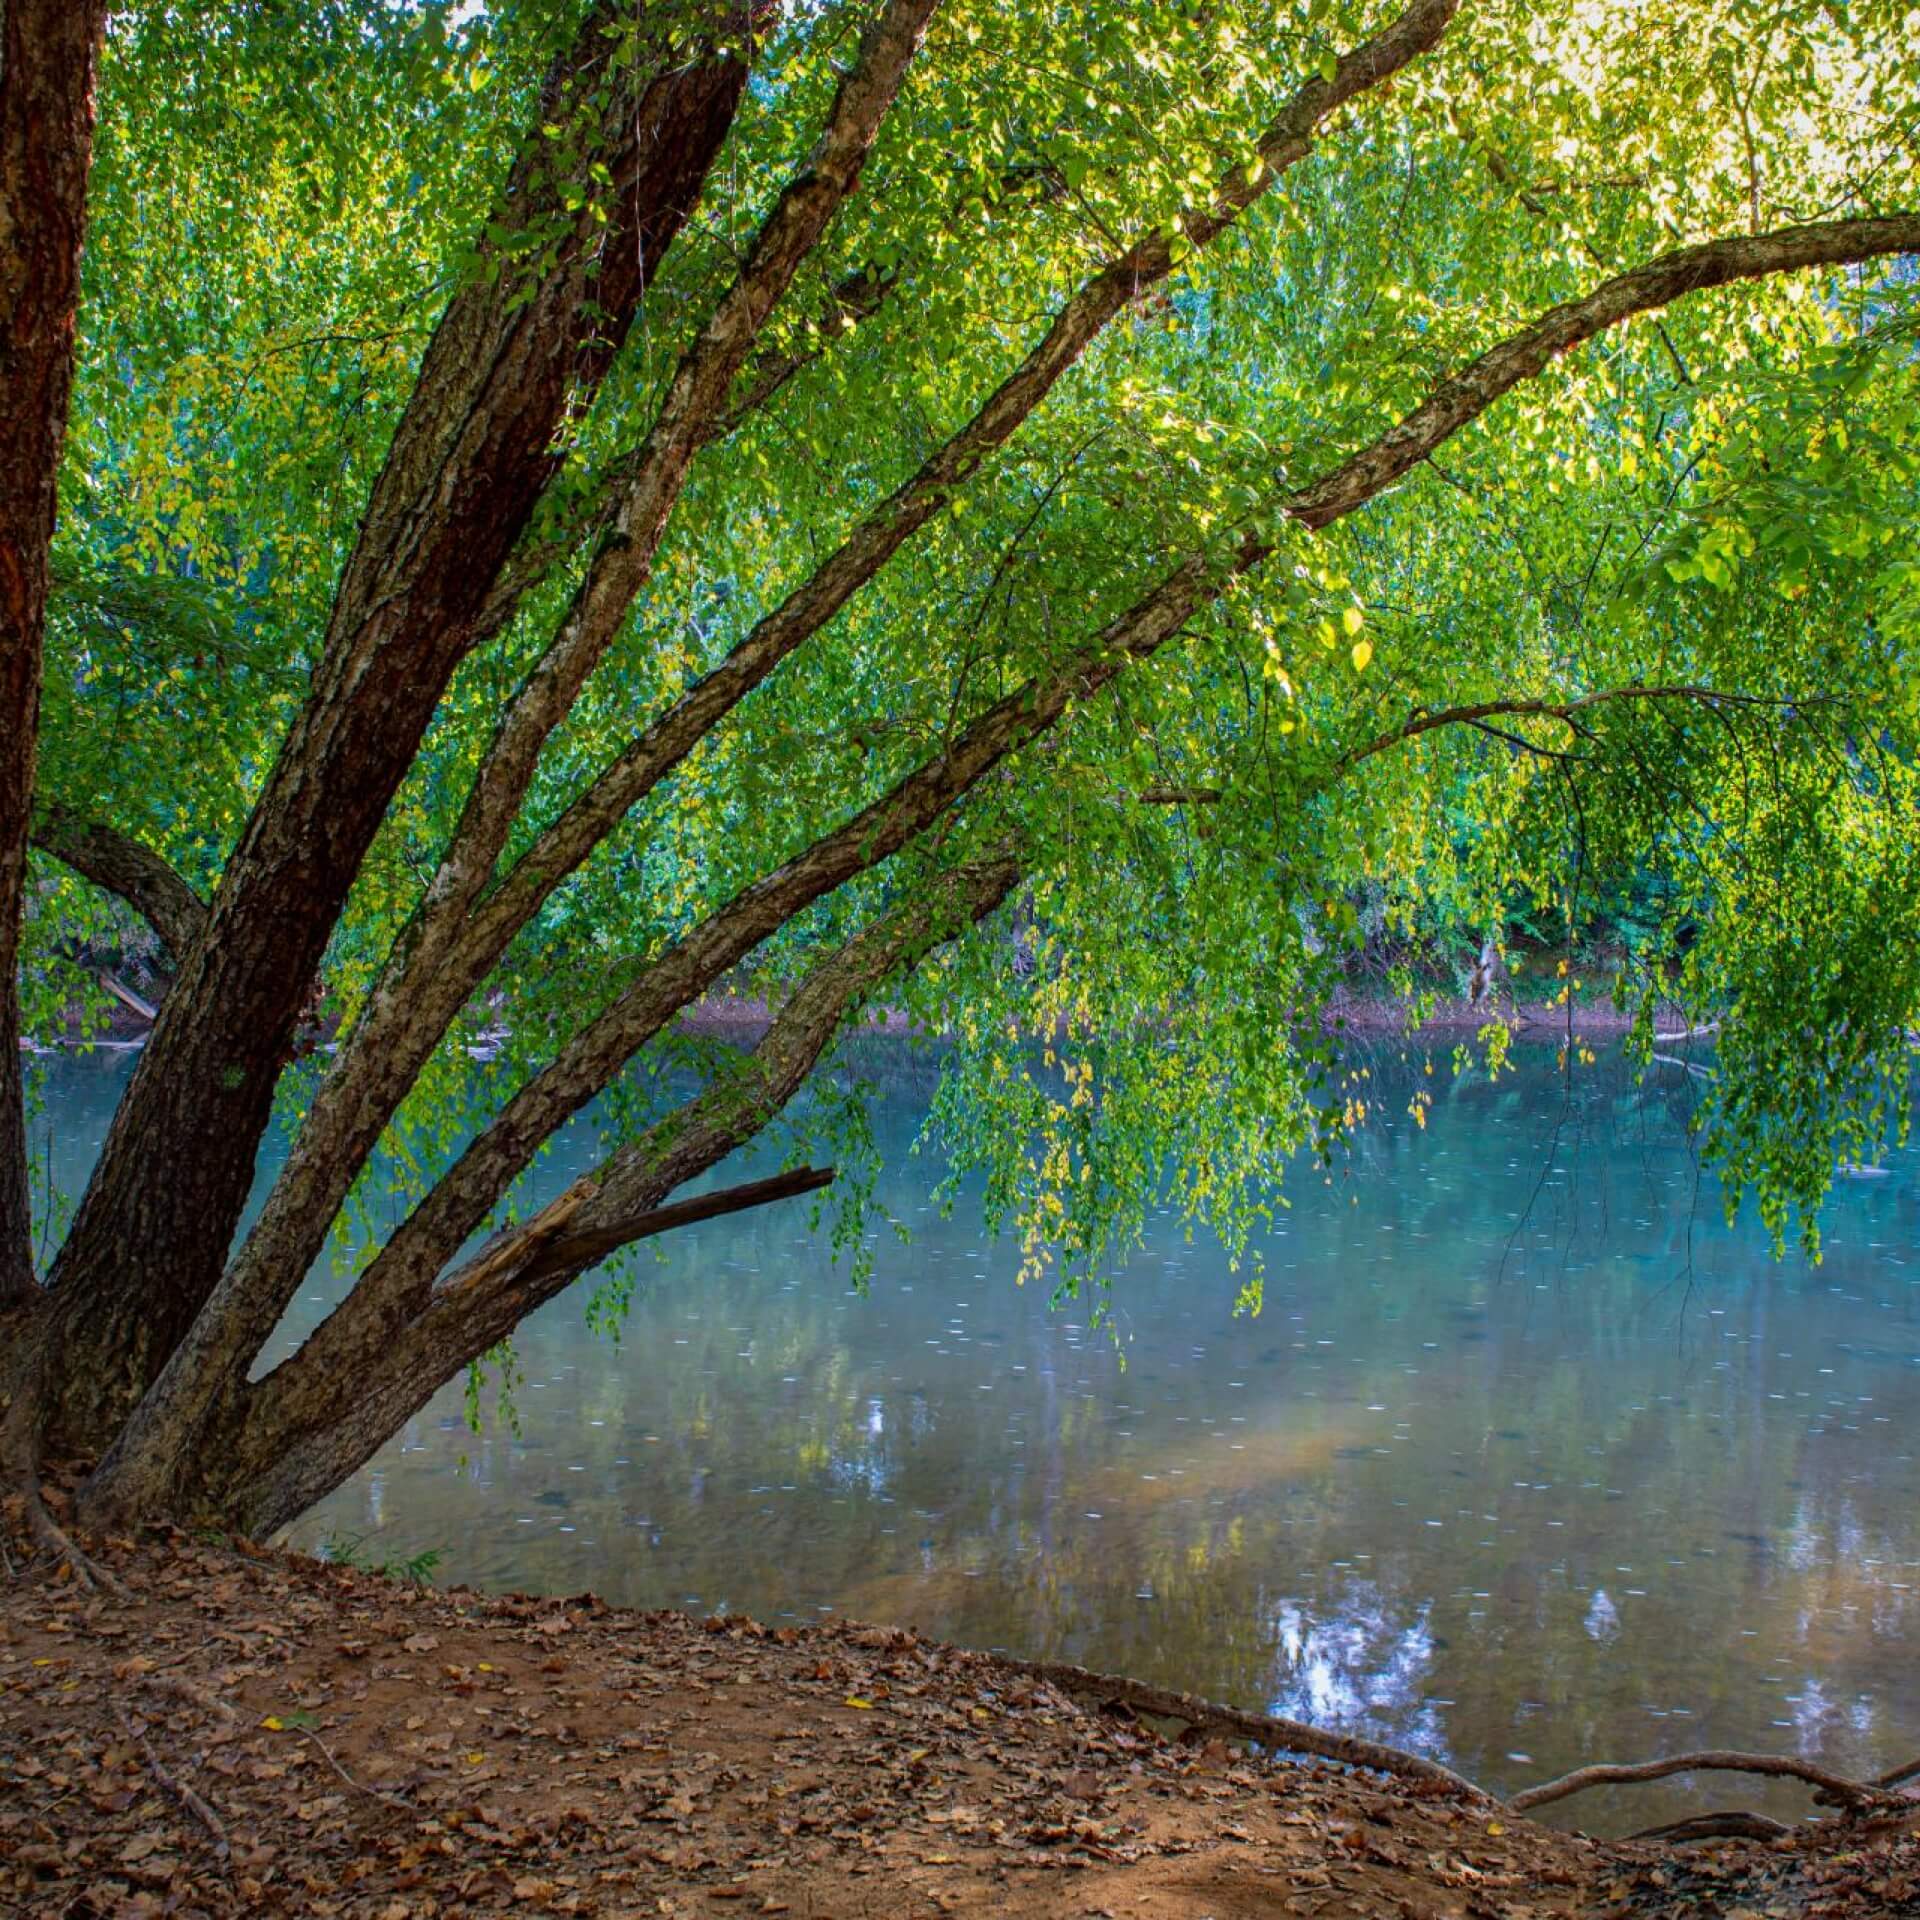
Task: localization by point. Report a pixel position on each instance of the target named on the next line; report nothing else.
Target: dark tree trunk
(46, 144)
(468, 464)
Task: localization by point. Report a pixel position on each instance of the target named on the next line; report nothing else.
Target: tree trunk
(296, 1436)
(468, 464)
(46, 145)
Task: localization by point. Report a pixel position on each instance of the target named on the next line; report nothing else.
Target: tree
(876, 463)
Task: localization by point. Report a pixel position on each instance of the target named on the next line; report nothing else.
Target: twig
(192, 1801)
(1266, 1730)
(372, 1793)
(1734, 1824)
(1900, 1775)
(1780, 1766)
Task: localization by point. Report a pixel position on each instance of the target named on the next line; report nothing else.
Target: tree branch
(570, 1254)
(450, 949)
(1546, 710)
(122, 866)
(400, 1332)
(1236, 1723)
(1466, 395)
(690, 964)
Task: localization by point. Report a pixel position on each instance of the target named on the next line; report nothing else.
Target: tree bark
(47, 50)
(469, 461)
(213, 1357)
(299, 1436)
(121, 865)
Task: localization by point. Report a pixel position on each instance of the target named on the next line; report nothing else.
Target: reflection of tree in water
(1355, 1661)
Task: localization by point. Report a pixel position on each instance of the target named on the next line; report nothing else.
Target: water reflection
(1528, 1460)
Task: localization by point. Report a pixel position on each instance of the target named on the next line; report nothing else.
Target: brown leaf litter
(262, 1734)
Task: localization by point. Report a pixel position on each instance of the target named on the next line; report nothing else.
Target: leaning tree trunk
(469, 462)
(46, 144)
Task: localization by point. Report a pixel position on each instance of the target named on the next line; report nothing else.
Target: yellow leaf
(274, 1724)
(1495, 1828)
(854, 1700)
(1362, 653)
(1353, 620)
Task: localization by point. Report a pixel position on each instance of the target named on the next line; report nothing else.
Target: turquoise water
(1528, 1460)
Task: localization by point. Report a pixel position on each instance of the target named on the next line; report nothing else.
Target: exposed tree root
(192, 1801)
(1852, 1793)
(1266, 1730)
(1735, 1823)
(47, 1532)
(1899, 1776)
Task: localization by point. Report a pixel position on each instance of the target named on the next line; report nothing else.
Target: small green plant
(350, 1550)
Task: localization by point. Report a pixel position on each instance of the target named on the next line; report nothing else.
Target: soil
(250, 1732)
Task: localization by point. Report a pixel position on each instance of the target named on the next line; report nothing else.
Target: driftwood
(128, 998)
(1236, 1723)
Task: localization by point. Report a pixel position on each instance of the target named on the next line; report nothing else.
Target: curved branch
(1464, 396)
(1546, 710)
(1715, 1760)
(1734, 1824)
(122, 866)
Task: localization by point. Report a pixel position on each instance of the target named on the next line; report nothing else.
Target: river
(1529, 1459)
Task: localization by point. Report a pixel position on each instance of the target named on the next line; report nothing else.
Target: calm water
(1528, 1460)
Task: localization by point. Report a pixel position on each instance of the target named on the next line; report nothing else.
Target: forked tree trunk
(468, 464)
(46, 145)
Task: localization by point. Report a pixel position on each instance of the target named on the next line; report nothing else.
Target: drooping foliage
(1340, 573)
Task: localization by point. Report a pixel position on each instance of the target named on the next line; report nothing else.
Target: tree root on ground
(1859, 1800)
(1266, 1730)
(1735, 1823)
(88, 1574)
(1834, 1787)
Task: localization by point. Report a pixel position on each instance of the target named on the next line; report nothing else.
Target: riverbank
(260, 1733)
(743, 1017)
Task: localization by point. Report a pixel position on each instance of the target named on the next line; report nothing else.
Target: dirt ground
(259, 1733)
